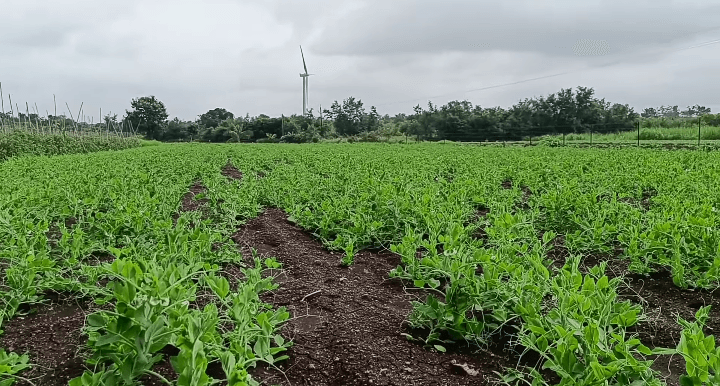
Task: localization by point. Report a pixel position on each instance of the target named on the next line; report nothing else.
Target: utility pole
(2, 101)
(699, 116)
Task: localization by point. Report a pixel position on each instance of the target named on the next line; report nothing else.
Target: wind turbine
(304, 77)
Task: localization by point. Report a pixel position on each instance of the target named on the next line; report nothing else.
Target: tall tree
(694, 111)
(348, 117)
(649, 112)
(148, 116)
(214, 117)
(372, 120)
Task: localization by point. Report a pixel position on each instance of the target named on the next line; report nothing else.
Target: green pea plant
(700, 351)
(583, 338)
(10, 365)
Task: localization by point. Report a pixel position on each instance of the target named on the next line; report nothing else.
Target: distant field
(23, 141)
(707, 133)
(187, 264)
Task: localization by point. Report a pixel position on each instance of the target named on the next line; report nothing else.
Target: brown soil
(558, 253)
(189, 203)
(230, 171)
(163, 368)
(348, 322)
(52, 338)
(54, 233)
(526, 193)
(99, 258)
(480, 213)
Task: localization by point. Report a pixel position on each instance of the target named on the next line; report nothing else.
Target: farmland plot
(359, 264)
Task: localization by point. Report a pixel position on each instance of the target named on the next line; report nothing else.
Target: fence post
(638, 133)
(698, 130)
(590, 137)
(563, 139)
(530, 136)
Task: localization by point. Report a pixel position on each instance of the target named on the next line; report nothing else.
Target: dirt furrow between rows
(348, 322)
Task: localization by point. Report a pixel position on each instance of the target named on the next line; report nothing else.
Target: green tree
(695, 111)
(177, 130)
(649, 112)
(148, 116)
(214, 117)
(110, 120)
(372, 120)
(669, 111)
(348, 117)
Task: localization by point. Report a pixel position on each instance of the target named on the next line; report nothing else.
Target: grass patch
(18, 143)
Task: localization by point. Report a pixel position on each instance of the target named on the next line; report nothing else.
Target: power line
(537, 78)
(699, 45)
(483, 88)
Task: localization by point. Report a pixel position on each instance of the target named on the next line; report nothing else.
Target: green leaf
(106, 339)
(96, 320)
(279, 340)
(664, 351)
(644, 350)
(687, 381)
(439, 348)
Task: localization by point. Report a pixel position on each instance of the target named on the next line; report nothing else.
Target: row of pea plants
(149, 298)
(574, 321)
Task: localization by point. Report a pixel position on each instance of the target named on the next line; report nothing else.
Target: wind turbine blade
(303, 58)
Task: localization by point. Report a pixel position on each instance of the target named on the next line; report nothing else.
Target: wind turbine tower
(304, 77)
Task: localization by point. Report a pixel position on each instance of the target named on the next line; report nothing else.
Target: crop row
(427, 203)
(162, 284)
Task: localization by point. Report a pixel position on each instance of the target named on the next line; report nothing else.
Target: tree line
(566, 111)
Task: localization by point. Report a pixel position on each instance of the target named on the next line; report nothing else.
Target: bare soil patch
(231, 172)
(52, 338)
(54, 233)
(480, 213)
(348, 322)
(189, 202)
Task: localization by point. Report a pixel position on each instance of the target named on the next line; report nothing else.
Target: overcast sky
(244, 55)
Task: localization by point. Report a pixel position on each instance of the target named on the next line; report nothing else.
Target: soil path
(348, 321)
(52, 338)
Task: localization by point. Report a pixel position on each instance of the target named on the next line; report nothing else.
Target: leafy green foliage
(702, 356)
(148, 116)
(583, 338)
(54, 222)
(11, 364)
(24, 143)
(426, 203)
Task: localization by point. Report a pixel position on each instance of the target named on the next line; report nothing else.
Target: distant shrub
(152, 142)
(370, 136)
(550, 141)
(18, 142)
(304, 137)
(270, 138)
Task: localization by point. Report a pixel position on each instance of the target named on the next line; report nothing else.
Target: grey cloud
(43, 24)
(550, 28)
(244, 55)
